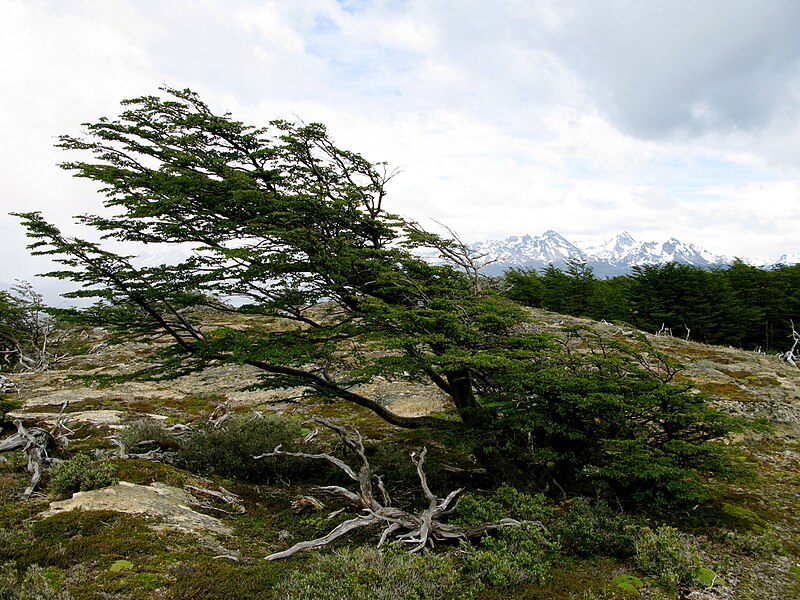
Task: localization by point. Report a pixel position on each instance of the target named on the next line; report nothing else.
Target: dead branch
(220, 414)
(222, 495)
(306, 503)
(62, 432)
(35, 442)
(790, 356)
(422, 529)
(155, 454)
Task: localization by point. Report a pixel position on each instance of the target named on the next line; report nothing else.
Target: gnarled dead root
(420, 530)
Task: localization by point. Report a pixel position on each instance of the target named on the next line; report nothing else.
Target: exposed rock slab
(170, 505)
(94, 417)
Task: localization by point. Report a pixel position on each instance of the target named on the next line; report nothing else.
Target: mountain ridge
(613, 256)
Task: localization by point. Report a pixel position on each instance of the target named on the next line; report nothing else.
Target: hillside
(750, 539)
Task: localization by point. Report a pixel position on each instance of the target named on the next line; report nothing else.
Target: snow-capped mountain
(787, 259)
(515, 251)
(614, 256)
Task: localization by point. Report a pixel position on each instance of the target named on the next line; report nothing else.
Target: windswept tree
(292, 226)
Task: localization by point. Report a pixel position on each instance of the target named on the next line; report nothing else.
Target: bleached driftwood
(420, 530)
(62, 431)
(156, 454)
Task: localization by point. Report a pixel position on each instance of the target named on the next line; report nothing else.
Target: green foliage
(7, 405)
(628, 583)
(145, 434)
(80, 474)
(668, 555)
(30, 584)
(602, 415)
(228, 449)
(589, 529)
(503, 502)
(742, 306)
(78, 536)
(120, 565)
(12, 543)
(764, 545)
(517, 556)
(372, 574)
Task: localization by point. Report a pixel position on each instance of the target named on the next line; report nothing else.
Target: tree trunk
(463, 394)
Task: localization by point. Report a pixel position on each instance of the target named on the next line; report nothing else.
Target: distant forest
(741, 305)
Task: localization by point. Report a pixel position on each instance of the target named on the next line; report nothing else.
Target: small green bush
(13, 543)
(80, 474)
(228, 449)
(589, 529)
(134, 435)
(28, 585)
(371, 574)
(765, 545)
(504, 502)
(517, 556)
(668, 555)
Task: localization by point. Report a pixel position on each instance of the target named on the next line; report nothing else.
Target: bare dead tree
(420, 530)
(790, 355)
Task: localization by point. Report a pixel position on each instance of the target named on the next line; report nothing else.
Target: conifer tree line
(742, 305)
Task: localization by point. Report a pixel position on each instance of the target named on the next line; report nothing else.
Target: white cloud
(506, 117)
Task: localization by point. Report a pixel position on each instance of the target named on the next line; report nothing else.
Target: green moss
(120, 565)
(726, 391)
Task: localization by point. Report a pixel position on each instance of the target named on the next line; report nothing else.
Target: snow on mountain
(171, 255)
(787, 259)
(523, 251)
(614, 256)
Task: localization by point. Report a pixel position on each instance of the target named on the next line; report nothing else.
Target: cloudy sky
(660, 117)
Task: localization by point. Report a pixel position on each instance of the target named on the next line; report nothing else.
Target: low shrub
(668, 555)
(80, 474)
(7, 405)
(30, 584)
(371, 574)
(228, 449)
(588, 529)
(517, 556)
(13, 542)
(504, 502)
(144, 435)
(763, 545)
